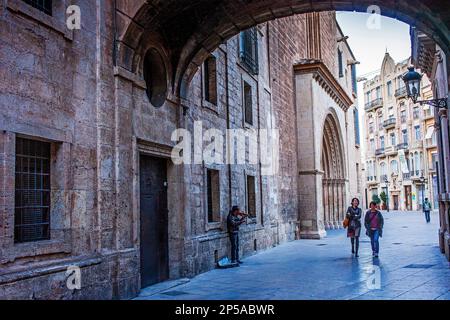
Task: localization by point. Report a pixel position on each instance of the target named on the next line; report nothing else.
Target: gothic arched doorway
(334, 175)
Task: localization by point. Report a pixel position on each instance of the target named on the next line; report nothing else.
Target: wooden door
(154, 220)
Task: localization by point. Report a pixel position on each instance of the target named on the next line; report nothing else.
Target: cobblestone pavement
(411, 267)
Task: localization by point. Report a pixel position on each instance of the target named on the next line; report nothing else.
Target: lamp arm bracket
(437, 103)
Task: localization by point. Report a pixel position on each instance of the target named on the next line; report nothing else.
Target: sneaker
(356, 255)
(239, 261)
(376, 255)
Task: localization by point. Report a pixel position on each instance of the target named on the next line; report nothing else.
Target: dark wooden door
(154, 220)
(395, 202)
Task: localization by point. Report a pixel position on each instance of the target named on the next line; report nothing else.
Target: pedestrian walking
(374, 222)
(234, 220)
(354, 215)
(427, 209)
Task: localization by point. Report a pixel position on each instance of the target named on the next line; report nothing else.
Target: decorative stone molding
(326, 80)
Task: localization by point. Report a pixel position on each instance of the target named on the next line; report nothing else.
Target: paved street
(410, 263)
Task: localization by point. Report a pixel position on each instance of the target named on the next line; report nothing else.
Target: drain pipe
(227, 95)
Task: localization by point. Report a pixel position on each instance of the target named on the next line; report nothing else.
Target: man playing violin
(235, 218)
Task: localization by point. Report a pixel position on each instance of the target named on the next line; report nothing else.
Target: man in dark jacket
(374, 221)
(234, 220)
(427, 209)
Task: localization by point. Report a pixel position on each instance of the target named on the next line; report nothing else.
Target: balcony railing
(374, 104)
(372, 180)
(383, 177)
(390, 150)
(379, 152)
(402, 146)
(401, 92)
(407, 176)
(389, 123)
(416, 174)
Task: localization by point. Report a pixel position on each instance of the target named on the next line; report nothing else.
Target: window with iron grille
(248, 103)
(42, 5)
(248, 50)
(32, 191)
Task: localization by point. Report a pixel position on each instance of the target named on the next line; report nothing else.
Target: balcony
(406, 176)
(372, 105)
(379, 152)
(400, 93)
(430, 143)
(383, 178)
(418, 144)
(416, 174)
(402, 146)
(372, 181)
(389, 123)
(390, 151)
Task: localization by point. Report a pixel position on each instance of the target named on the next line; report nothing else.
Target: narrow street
(411, 267)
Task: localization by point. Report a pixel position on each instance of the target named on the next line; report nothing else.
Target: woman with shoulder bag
(353, 216)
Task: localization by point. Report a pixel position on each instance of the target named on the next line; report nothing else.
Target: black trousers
(234, 239)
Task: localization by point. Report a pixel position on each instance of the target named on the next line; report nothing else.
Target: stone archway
(193, 29)
(333, 181)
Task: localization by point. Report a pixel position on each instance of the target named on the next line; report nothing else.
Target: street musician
(235, 218)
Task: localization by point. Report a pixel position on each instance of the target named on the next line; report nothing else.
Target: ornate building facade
(401, 151)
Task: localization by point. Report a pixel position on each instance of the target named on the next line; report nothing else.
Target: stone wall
(64, 87)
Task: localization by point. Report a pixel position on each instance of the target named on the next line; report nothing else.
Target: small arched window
(155, 78)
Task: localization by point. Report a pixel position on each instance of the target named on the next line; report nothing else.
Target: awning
(430, 132)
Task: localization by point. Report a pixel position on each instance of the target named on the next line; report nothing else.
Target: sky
(369, 39)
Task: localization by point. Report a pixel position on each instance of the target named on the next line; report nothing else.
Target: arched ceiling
(193, 28)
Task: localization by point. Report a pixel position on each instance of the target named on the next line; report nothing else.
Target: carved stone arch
(333, 166)
(193, 29)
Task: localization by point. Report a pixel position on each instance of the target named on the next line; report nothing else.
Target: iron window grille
(248, 50)
(42, 5)
(32, 191)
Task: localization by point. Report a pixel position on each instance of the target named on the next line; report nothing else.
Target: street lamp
(422, 181)
(412, 81)
(387, 193)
